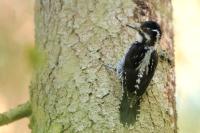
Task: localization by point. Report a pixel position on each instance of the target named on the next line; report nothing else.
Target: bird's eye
(145, 29)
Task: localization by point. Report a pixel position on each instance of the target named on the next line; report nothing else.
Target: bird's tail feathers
(129, 108)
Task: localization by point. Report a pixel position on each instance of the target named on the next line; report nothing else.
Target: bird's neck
(147, 39)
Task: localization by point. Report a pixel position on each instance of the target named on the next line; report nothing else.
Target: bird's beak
(136, 26)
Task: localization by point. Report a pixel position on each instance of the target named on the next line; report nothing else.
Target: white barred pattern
(144, 65)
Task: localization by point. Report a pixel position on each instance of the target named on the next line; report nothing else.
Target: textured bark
(73, 91)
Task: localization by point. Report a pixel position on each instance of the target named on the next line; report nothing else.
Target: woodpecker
(137, 67)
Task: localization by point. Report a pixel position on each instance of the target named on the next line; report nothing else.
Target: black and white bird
(137, 68)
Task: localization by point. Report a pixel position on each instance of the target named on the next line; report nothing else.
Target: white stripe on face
(139, 38)
(157, 35)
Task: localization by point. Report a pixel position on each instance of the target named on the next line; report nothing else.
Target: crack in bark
(150, 112)
(61, 4)
(56, 62)
(161, 112)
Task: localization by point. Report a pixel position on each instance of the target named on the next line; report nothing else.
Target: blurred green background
(16, 46)
(18, 58)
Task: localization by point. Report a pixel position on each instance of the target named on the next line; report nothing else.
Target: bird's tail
(129, 108)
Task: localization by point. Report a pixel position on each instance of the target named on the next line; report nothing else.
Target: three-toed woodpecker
(138, 65)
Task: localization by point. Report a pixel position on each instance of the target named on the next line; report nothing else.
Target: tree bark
(73, 91)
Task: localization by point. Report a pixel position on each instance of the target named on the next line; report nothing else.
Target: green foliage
(35, 57)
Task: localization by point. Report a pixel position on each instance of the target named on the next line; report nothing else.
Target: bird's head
(148, 31)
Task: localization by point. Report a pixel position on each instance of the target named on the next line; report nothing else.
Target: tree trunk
(73, 91)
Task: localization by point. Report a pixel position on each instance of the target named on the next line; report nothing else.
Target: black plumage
(137, 68)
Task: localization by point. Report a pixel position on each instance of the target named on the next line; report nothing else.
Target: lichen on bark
(73, 91)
